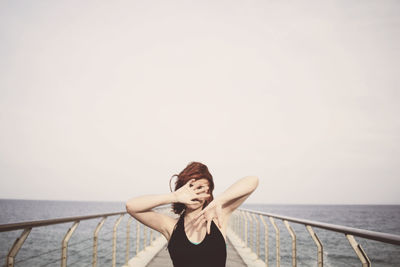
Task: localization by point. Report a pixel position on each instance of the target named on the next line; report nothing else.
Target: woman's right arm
(141, 207)
(144, 203)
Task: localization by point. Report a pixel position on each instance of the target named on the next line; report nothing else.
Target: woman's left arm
(237, 193)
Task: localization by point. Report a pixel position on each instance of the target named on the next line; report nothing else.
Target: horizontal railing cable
(51, 262)
(75, 262)
(80, 241)
(37, 255)
(70, 253)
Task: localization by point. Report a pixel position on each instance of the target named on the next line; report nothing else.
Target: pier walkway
(163, 259)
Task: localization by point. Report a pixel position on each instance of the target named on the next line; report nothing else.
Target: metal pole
(95, 238)
(137, 236)
(237, 223)
(251, 241)
(258, 235)
(245, 228)
(151, 236)
(292, 234)
(359, 251)
(64, 244)
(245, 233)
(144, 236)
(265, 239)
(114, 250)
(277, 241)
(319, 245)
(128, 231)
(16, 247)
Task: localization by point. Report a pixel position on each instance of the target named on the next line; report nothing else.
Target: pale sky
(106, 100)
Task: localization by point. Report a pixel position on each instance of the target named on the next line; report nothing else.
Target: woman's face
(200, 201)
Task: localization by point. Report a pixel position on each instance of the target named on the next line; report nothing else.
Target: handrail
(242, 220)
(31, 224)
(377, 236)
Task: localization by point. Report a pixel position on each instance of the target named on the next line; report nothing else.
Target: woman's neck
(190, 214)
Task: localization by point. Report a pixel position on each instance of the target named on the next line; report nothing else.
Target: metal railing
(245, 223)
(26, 228)
(242, 222)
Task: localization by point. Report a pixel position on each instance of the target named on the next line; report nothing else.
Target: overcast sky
(106, 100)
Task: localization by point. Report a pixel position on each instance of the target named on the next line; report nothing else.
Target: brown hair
(194, 170)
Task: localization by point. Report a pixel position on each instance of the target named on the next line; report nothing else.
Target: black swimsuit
(210, 252)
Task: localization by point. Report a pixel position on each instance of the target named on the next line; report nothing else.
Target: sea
(43, 245)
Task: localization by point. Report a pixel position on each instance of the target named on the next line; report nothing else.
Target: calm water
(46, 241)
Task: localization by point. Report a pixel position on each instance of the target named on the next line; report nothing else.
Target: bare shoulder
(159, 221)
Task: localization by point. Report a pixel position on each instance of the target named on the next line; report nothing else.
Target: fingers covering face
(203, 195)
(190, 182)
(203, 189)
(196, 184)
(208, 226)
(219, 216)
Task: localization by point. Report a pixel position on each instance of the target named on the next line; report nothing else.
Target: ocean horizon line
(250, 203)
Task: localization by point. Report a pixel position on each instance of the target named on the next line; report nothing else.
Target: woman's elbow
(254, 182)
(129, 207)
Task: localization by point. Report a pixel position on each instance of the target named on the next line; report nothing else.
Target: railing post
(238, 223)
(240, 232)
(265, 240)
(319, 245)
(144, 237)
(292, 234)
(151, 236)
(64, 244)
(232, 222)
(249, 230)
(251, 241)
(257, 235)
(16, 246)
(137, 236)
(114, 251)
(95, 239)
(239, 218)
(359, 251)
(128, 231)
(277, 241)
(245, 228)
(239, 229)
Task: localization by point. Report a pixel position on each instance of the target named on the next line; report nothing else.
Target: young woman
(198, 236)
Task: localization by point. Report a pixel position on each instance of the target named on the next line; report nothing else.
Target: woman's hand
(191, 190)
(213, 210)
